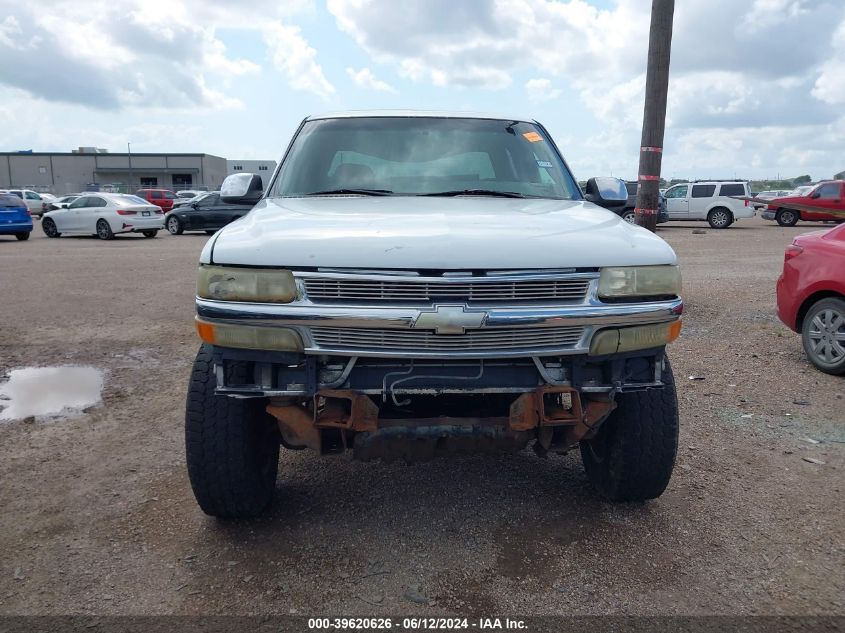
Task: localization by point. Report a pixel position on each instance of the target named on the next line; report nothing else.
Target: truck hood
(411, 232)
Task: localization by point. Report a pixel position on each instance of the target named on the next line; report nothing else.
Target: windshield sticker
(544, 163)
(532, 137)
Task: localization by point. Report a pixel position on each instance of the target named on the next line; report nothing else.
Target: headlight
(246, 284)
(629, 339)
(639, 281)
(249, 336)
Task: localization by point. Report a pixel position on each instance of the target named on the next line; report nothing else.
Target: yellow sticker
(532, 137)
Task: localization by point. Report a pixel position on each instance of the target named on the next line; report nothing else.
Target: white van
(709, 200)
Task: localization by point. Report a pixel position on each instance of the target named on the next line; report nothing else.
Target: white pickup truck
(416, 284)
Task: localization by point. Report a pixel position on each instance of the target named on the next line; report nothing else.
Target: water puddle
(49, 391)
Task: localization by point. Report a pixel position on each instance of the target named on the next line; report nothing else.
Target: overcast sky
(757, 86)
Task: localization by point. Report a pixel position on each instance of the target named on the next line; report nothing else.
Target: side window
(19, 194)
(632, 188)
(79, 202)
(94, 201)
(703, 191)
(828, 191)
(31, 195)
(677, 192)
(156, 195)
(169, 196)
(209, 201)
(732, 190)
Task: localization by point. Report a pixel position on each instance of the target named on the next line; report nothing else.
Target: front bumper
(306, 318)
(284, 374)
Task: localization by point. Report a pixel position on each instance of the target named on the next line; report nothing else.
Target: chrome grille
(482, 289)
(488, 340)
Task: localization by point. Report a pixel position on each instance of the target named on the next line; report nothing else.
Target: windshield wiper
(361, 192)
(477, 192)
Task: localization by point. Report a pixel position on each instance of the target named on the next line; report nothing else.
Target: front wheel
(232, 445)
(22, 237)
(630, 216)
(149, 233)
(104, 231)
(632, 456)
(823, 335)
(786, 217)
(720, 218)
(174, 225)
(49, 227)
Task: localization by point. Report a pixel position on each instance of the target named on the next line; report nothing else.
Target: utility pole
(654, 112)
(129, 152)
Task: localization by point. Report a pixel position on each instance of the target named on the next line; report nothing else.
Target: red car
(163, 198)
(811, 296)
(824, 203)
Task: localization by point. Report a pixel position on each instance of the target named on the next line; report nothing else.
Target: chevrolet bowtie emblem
(450, 320)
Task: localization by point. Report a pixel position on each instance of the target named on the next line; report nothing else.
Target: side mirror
(815, 195)
(241, 189)
(606, 192)
(195, 204)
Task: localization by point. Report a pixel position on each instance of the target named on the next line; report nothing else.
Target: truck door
(826, 197)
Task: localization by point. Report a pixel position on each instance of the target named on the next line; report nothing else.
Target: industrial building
(92, 169)
(263, 168)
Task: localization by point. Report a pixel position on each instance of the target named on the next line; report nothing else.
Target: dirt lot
(98, 515)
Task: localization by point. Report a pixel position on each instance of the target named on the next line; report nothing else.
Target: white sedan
(105, 215)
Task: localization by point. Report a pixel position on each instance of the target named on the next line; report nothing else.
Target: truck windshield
(423, 156)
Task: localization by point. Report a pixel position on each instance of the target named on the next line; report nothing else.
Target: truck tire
(720, 218)
(231, 445)
(632, 456)
(787, 217)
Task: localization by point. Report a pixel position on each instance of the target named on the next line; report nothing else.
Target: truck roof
(418, 113)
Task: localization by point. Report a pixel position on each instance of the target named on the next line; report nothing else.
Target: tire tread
(642, 436)
(232, 447)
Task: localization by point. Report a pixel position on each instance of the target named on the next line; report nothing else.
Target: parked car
(105, 215)
(61, 203)
(31, 198)
(767, 195)
(162, 198)
(187, 194)
(627, 211)
(412, 285)
(825, 202)
(46, 200)
(803, 190)
(711, 200)
(15, 217)
(207, 213)
(811, 296)
(183, 202)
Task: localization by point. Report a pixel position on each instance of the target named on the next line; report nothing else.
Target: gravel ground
(98, 516)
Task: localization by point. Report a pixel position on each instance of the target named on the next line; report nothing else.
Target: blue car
(14, 217)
